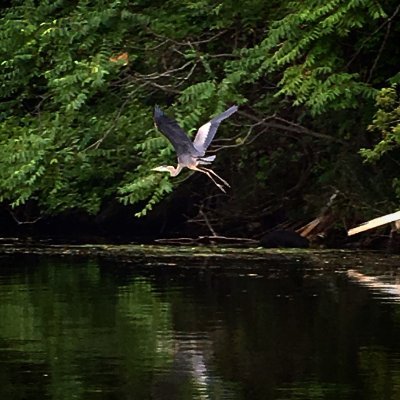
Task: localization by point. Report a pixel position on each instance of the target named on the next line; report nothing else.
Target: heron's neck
(175, 171)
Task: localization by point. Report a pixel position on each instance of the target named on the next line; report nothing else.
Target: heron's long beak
(160, 169)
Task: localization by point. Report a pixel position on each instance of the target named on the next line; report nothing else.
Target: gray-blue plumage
(176, 135)
(180, 140)
(191, 154)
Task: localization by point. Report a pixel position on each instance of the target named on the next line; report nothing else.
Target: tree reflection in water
(91, 330)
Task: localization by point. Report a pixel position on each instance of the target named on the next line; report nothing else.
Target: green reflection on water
(314, 390)
(76, 325)
(95, 330)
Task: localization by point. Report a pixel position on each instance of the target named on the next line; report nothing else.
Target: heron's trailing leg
(215, 174)
(205, 172)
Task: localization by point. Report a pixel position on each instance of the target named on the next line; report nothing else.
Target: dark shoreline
(200, 256)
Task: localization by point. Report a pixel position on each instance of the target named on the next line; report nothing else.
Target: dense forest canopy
(315, 81)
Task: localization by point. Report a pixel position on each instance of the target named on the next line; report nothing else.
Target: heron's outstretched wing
(206, 133)
(176, 135)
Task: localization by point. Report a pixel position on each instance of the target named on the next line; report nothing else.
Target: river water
(93, 328)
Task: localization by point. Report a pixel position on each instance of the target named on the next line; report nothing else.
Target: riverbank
(200, 255)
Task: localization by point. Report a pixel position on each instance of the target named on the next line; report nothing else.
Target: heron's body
(191, 154)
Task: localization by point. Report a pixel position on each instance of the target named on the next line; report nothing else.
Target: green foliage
(306, 49)
(58, 101)
(142, 189)
(75, 128)
(386, 123)
(75, 123)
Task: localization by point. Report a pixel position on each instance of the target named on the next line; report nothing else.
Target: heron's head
(165, 168)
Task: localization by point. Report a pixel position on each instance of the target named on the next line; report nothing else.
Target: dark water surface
(86, 329)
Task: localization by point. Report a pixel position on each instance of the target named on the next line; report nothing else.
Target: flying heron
(191, 155)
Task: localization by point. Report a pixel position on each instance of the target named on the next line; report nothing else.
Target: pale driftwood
(374, 223)
(322, 223)
(305, 230)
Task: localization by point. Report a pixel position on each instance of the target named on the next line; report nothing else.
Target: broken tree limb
(305, 230)
(374, 223)
(321, 223)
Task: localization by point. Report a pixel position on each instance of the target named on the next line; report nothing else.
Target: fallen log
(374, 223)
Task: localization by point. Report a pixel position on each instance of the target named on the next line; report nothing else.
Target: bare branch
(388, 21)
(188, 43)
(158, 75)
(289, 126)
(14, 217)
(383, 44)
(224, 239)
(187, 77)
(96, 144)
(204, 215)
(244, 141)
(164, 88)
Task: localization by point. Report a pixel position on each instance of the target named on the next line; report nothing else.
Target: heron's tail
(206, 160)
